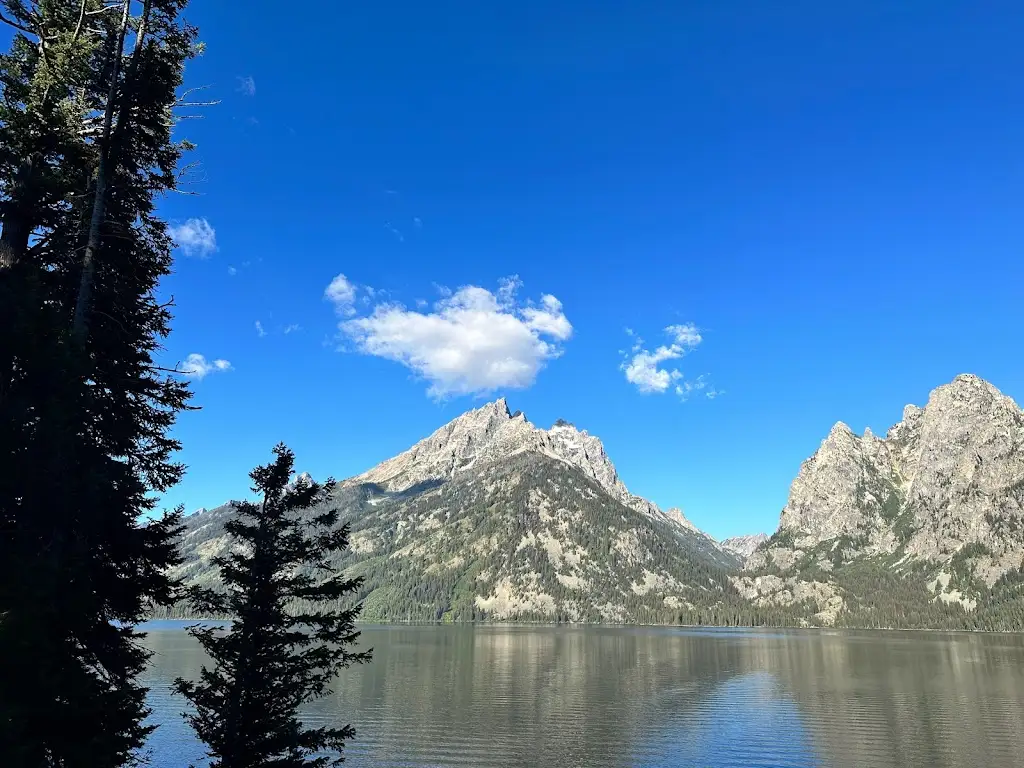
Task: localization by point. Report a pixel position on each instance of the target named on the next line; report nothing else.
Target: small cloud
(195, 237)
(247, 86)
(196, 366)
(685, 335)
(292, 328)
(259, 329)
(685, 388)
(252, 120)
(474, 341)
(421, 303)
(390, 228)
(645, 369)
(232, 271)
(417, 222)
(342, 294)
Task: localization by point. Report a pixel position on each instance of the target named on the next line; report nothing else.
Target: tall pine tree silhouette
(290, 636)
(86, 120)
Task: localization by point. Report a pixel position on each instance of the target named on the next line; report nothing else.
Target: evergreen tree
(289, 637)
(84, 412)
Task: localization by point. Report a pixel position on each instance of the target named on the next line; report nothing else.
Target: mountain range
(493, 518)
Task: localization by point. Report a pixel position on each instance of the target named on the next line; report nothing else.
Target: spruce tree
(84, 411)
(288, 639)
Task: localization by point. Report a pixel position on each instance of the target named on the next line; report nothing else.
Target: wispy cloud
(647, 370)
(474, 341)
(699, 385)
(196, 366)
(232, 271)
(292, 328)
(342, 294)
(259, 329)
(417, 222)
(394, 231)
(247, 85)
(195, 237)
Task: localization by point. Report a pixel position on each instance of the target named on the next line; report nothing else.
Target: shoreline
(609, 625)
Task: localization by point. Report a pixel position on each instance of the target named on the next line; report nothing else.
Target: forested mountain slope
(493, 518)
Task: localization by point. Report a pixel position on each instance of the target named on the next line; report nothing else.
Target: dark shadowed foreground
(535, 696)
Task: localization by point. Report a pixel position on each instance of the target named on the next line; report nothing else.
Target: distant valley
(492, 518)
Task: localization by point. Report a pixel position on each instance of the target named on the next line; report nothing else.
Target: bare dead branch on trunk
(79, 326)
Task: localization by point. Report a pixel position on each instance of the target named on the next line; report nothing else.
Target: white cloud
(548, 319)
(474, 341)
(292, 328)
(195, 237)
(685, 335)
(645, 369)
(259, 329)
(342, 294)
(247, 85)
(196, 366)
(686, 388)
(232, 271)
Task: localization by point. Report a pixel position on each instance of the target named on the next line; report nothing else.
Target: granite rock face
(492, 433)
(945, 484)
(744, 546)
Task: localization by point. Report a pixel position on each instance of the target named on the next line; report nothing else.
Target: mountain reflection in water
(601, 696)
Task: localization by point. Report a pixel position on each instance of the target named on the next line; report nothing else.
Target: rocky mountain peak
(947, 475)
(840, 429)
(491, 433)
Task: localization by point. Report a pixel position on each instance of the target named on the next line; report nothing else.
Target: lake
(490, 696)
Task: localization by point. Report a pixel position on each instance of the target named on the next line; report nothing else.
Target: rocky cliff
(744, 546)
(938, 500)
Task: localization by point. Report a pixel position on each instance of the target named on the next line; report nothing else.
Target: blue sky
(829, 195)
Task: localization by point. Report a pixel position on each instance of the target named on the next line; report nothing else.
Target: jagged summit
(493, 433)
(947, 476)
(492, 517)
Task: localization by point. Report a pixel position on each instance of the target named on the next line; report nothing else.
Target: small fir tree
(285, 644)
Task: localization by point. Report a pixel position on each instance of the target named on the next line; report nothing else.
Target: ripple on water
(495, 698)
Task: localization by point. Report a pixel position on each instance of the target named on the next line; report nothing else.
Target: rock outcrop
(943, 490)
(744, 546)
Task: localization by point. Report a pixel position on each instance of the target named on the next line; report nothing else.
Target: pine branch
(18, 26)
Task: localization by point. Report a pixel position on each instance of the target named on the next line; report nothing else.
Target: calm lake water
(562, 697)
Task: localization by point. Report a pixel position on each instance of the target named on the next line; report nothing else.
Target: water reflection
(914, 699)
(508, 696)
